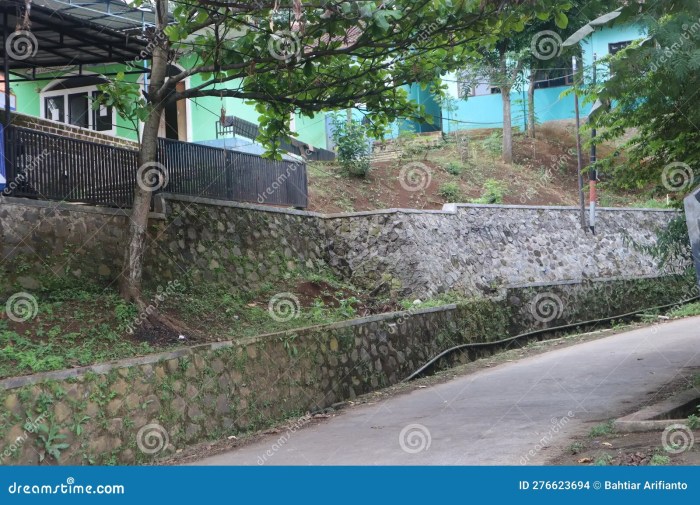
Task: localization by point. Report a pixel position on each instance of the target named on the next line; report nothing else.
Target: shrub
(454, 168)
(493, 144)
(450, 191)
(352, 146)
(492, 192)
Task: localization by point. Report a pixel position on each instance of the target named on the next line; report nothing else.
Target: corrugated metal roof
(72, 32)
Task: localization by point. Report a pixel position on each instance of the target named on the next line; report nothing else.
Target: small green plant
(77, 427)
(492, 192)
(48, 439)
(450, 191)
(603, 429)
(694, 420)
(659, 460)
(493, 144)
(576, 447)
(603, 460)
(454, 168)
(352, 146)
(347, 307)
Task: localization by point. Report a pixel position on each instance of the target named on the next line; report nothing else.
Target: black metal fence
(53, 167)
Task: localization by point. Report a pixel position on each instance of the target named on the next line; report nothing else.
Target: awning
(73, 32)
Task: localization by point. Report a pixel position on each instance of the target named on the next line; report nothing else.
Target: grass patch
(659, 460)
(691, 309)
(603, 429)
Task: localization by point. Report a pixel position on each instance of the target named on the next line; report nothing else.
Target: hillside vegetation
(465, 167)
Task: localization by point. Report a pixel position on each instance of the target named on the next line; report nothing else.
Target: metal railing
(55, 167)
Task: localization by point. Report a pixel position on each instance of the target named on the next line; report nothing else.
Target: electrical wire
(539, 332)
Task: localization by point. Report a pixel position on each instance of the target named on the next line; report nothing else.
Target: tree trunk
(531, 107)
(131, 277)
(507, 126)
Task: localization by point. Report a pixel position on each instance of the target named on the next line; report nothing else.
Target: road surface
(496, 416)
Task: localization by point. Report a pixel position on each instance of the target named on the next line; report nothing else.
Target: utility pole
(592, 172)
(582, 200)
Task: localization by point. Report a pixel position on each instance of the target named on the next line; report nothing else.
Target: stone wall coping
(448, 209)
(583, 280)
(104, 368)
(73, 207)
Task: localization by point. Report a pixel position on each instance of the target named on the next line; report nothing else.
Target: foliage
(290, 56)
(493, 143)
(652, 83)
(450, 191)
(672, 243)
(454, 168)
(352, 145)
(50, 441)
(493, 192)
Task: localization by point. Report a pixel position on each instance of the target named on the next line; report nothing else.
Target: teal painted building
(553, 100)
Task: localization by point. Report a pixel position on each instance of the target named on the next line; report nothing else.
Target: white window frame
(72, 91)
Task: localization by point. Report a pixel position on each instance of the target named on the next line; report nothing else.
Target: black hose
(538, 332)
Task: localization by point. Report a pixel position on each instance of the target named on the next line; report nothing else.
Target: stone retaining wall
(144, 408)
(471, 249)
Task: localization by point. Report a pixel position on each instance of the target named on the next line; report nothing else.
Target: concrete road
(496, 416)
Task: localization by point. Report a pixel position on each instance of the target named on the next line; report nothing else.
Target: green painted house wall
(202, 112)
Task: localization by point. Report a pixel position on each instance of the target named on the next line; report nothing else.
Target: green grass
(602, 429)
(691, 309)
(72, 328)
(659, 460)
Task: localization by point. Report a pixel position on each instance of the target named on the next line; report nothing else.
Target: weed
(603, 460)
(492, 192)
(576, 447)
(454, 168)
(450, 191)
(659, 460)
(603, 429)
(48, 439)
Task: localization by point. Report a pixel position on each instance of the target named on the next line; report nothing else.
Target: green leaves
(561, 20)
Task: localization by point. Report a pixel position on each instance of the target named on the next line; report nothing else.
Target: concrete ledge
(447, 209)
(647, 419)
(73, 207)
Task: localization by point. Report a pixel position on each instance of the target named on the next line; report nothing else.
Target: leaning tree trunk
(507, 126)
(130, 281)
(531, 107)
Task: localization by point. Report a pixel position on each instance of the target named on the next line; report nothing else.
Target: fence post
(229, 174)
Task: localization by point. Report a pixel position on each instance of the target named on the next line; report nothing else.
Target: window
(616, 47)
(552, 78)
(70, 101)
